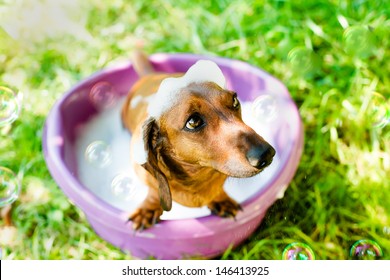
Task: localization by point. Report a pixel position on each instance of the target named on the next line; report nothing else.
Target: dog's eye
(194, 122)
(236, 103)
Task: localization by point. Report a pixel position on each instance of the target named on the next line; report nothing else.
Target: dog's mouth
(243, 174)
(243, 171)
(252, 173)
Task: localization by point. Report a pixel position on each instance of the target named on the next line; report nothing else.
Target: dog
(187, 138)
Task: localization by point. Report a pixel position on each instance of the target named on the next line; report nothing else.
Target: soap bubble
(9, 106)
(386, 230)
(358, 40)
(103, 95)
(122, 187)
(265, 108)
(98, 154)
(298, 251)
(365, 250)
(378, 111)
(302, 60)
(9, 186)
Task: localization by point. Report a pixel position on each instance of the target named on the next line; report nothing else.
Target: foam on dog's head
(169, 91)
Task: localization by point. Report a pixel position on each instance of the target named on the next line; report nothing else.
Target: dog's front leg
(224, 206)
(148, 214)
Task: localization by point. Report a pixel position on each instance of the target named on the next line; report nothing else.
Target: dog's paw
(227, 208)
(144, 218)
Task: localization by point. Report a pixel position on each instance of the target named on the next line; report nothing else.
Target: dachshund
(187, 138)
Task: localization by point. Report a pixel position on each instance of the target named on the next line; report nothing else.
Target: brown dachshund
(187, 138)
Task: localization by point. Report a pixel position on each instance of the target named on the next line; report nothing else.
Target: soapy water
(366, 250)
(298, 251)
(9, 186)
(378, 111)
(9, 106)
(116, 182)
(358, 41)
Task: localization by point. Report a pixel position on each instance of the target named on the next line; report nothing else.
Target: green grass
(341, 191)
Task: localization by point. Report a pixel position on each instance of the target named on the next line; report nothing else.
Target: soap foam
(169, 91)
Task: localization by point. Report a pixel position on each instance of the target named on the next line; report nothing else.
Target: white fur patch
(168, 93)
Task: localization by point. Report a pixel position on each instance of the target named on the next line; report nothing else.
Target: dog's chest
(197, 193)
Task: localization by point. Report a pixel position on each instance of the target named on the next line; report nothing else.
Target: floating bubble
(9, 186)
(265, 108)
(302, 60)
(386, 230)
(98, 154)
(378, 111)
(122, 187)
(103, 95)
(9, 106)
(358, 40)
(298, 251)
(366, 250)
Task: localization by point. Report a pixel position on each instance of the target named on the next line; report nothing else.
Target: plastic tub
(201, 237)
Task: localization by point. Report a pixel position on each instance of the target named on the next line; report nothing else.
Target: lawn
(333, 56)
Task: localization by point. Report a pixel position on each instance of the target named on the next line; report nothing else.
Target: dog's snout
(260, 156)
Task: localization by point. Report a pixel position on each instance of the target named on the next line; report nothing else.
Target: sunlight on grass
(333, 57)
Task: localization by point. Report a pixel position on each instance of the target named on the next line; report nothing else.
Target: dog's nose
(260, 156)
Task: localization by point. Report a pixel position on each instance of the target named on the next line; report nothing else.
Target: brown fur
(188, 167)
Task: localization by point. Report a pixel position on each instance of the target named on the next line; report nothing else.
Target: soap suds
(169, 91)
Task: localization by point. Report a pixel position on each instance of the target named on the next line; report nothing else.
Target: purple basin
(204, 237)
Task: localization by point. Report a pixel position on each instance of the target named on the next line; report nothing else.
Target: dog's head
(200, 126)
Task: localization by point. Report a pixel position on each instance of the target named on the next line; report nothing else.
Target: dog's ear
(153, 146)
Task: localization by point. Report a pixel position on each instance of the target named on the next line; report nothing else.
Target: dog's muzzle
(260, 156)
